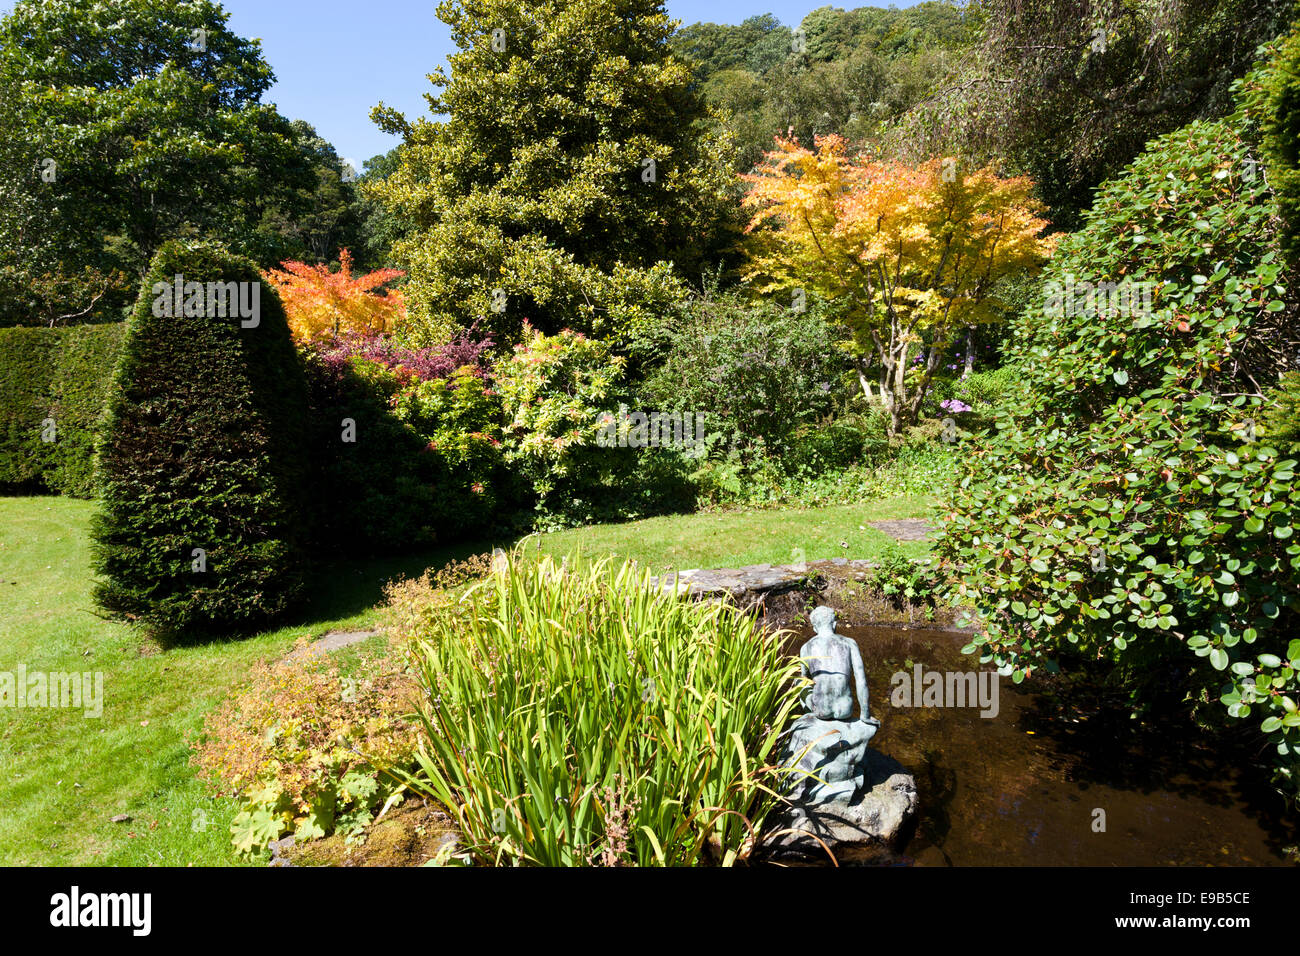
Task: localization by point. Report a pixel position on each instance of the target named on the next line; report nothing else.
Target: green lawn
(64, 775)
(730, 539)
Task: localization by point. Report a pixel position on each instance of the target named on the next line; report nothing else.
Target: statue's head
(822, 619)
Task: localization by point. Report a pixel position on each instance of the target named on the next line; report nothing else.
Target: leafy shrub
(404, 461)
(907, 470)
(324, 305)
(758, 374)
(1125, 512)
(556, 391)
(627, 725)
(423, 464)
(819, 449)
(376, 485)
(426, 364)
(301, 744)
(905, 581)
(460, 418)
(201, 462)
(412, 605)
(985, 391)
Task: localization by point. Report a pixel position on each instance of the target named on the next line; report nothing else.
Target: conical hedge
(201, 457)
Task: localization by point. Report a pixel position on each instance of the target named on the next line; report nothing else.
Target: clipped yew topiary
(201, 457)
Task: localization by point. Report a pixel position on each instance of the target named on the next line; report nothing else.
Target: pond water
(1022, 787)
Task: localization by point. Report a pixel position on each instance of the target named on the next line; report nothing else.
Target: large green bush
(422, 462)
(1127, 514)
(757, 373)
(438, 455)
(201, 451)
(53, 384)
(372, 487)
(560, 394)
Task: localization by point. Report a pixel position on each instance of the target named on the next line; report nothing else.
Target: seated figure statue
(827, 746)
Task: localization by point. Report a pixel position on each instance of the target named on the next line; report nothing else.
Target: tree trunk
(970, 351)
(866, 384)
(893, 389)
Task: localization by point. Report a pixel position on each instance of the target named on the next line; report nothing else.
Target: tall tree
(841, 72)
(1069, 91)
(574, 181)
(908, 255)
(379, 226)
(125, 124)
(319, 218)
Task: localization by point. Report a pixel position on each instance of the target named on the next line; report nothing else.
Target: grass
(63, 775)
(736, 538)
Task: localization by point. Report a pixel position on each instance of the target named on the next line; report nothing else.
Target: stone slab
(332, 641)
(905, 529)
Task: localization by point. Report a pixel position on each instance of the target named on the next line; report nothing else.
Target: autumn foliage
(909, 254)
(324, 305)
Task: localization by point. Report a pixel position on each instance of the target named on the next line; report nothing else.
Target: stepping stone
(905, 529)
(329, 642)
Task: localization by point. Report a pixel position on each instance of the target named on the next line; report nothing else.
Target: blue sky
(334, 60)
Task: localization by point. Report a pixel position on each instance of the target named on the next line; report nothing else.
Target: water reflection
(1023, 788)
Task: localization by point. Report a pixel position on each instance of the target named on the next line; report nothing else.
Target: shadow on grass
(346, 588)
(341, 589)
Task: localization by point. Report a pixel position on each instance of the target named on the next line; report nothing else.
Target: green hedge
(1281, 137)
(57, 376)
(202, 450)
(27, 359)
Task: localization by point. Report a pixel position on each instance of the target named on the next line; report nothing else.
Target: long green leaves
(576, 718)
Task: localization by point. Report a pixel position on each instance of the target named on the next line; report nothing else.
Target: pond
(1023, 787)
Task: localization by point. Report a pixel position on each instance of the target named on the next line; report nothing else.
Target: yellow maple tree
(905, 256)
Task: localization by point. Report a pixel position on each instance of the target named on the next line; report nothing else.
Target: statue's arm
(860, 680)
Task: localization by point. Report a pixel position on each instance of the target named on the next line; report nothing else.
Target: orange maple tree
(323, 305)
(905, 255)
